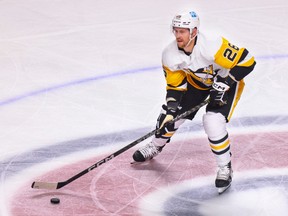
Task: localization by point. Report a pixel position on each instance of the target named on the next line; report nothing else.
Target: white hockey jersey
(208, 58)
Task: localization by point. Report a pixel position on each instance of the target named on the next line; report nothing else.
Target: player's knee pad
(214, 125)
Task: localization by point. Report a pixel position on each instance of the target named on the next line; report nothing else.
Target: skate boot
(224, 178)
(146, 152)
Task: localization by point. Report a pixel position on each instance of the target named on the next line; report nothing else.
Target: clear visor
(179, 30)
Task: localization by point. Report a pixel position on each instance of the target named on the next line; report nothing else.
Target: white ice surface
(54, 53)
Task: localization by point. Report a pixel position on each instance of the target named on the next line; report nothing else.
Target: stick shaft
(57, 185)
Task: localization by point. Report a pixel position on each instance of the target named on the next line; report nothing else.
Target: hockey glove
(167, 114)
(219, 90)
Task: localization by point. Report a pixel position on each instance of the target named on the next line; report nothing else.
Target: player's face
(182, 36)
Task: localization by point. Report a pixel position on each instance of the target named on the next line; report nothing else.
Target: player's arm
(239, 63)
(238, 60)
(176, 86)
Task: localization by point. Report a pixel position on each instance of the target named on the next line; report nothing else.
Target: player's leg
(214, 122)
(192, 98)
(158, 141)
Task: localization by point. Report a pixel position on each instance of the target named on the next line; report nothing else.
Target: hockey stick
(57, 185)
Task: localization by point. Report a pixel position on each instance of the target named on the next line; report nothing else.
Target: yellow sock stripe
(220, 147)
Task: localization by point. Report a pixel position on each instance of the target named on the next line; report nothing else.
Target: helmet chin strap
(191, 39)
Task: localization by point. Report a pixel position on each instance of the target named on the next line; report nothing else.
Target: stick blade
(45, 185)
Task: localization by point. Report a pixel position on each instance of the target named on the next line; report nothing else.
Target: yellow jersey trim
(228, 55)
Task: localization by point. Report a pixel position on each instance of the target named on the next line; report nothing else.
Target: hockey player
(196, 68)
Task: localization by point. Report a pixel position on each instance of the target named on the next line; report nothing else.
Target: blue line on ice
(101, 77)
(13, 165)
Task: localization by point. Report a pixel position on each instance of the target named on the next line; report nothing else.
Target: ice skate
(146, 153)
(224, 178)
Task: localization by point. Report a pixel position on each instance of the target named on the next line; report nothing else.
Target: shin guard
(215, 128)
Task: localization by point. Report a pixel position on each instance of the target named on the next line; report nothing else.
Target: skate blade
(143, 162)
(223, 189)
(135, 162)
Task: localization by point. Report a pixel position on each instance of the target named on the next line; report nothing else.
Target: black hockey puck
(55, 200)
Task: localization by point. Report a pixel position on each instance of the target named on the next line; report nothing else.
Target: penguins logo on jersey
(204, 75)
